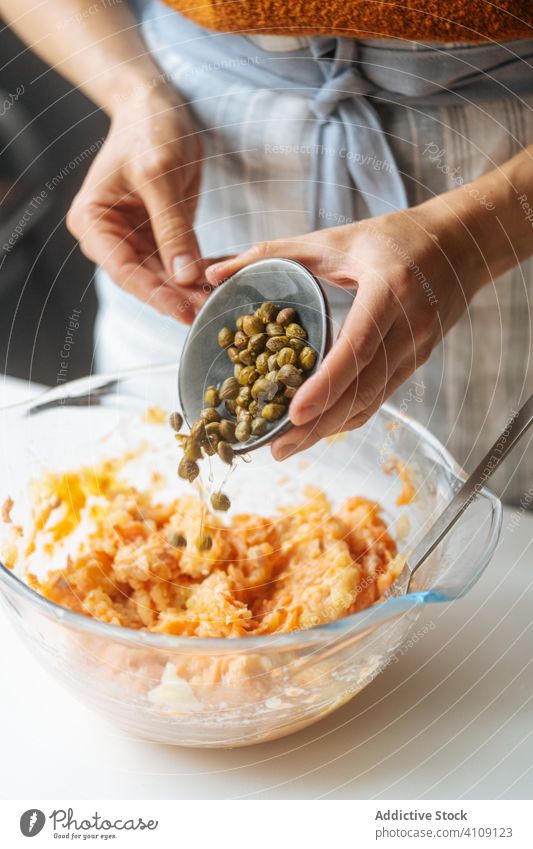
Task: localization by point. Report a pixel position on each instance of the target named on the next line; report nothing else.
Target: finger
(118, 258)
(367, 323)
(171, 218)
(314, 250)
(299, 438)
(370, 383)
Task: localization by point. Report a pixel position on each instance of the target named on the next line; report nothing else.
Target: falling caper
(188, 470)
(176, 540)
(220, 501)
(204, 542)
(175, 421)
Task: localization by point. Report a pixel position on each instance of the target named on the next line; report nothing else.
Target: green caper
(212, 429)
(204, 542)
(276, 343)
(198, 432)
(255, 408)
(231, 407)
(225, 337)
(290, 392)
(287, 357)
(192, 451)
(246, 357)
(264, 389)
(188, 470)
(211, 396)
(252, 324)
(243, 415)
(286, 316)
(237, 368)
(242, 432)
(248, 375)
(241, 340)
(233, 353)
(227, 430)
(267, 312)
(307, 358)
(261, 363)
(297, 344)
(225, 452)
(273, 376)
(257, 343)
(220, 501)
(296, 330)
(259, 426)
(274, 329)
(229, 389)
(272, 362)
(210, 414)
(175, 421)
(176, 540)
(272, 412)
(290, 376)
(238, 323)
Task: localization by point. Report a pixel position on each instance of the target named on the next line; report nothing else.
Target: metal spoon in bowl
(203, 363)
(517, 426)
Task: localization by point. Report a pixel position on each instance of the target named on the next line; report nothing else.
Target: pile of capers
(271, 359)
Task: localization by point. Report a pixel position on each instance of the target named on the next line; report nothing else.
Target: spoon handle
(518, 424)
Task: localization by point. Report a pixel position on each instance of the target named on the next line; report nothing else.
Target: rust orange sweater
(419, 20)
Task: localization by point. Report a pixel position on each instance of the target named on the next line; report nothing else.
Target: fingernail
(281, 452)
(184, 269)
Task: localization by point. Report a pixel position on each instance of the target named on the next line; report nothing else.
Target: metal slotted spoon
(517, 426)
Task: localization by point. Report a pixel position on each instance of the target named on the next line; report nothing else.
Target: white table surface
(453, 718)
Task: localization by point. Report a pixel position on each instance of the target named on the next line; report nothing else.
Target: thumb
(313, 252)
(172, 226)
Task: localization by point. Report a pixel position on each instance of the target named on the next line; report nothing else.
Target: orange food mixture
(305, 566)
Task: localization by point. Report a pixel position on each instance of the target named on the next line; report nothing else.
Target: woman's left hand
(415, 273)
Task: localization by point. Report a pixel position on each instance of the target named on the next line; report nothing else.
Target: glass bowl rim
(356, 622)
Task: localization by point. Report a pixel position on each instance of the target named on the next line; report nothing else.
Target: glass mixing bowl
(233, 692)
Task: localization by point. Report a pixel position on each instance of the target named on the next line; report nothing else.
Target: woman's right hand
(134, 212)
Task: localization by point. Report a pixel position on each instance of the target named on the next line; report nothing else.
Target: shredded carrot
(304, 566)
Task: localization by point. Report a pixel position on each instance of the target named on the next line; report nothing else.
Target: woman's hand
(413, 281)
(134, 212)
